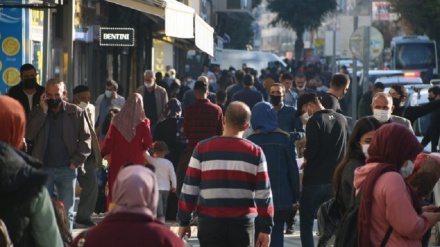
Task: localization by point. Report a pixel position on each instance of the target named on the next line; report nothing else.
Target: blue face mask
(108, 93)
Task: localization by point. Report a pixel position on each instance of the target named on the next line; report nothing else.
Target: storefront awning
(179, 18)
(204, 36)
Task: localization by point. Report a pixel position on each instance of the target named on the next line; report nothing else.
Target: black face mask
(396, 102)
(431, 99)
(53, 103)
(275, 100)
(30, 83)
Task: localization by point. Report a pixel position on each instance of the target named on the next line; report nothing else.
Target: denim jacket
(279, 150)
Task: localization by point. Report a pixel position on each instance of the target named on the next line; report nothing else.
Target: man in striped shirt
(227, 185)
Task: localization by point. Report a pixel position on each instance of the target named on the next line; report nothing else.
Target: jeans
(213, 233)
(277, 235)
(312, 196)
(162, 203)
(89, 192)
(62, 180)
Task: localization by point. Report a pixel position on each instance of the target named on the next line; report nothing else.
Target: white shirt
(164, 172)
(30, 98)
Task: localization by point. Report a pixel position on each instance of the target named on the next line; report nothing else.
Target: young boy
(165, 175)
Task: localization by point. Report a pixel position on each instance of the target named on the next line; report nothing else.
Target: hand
(263, 240)
(303, 164)
(432, 218)
(72, 166)
(429, 208)
(43, 103)
(184, 230)
(173, 190)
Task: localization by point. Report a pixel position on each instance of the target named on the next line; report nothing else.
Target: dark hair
(239, 74)
(201, 86)
(158, 75)
(354, 150)
(287, 76)
(339, 81)
(160, 147)
(80, 88)
(248, 80)
(253, 72)
(62, 221)
(112, 83)
(238, 116)
(108, 119)
(379, 85)
(435, 90)
(27, 66)
(400, 89)
(220, 95)
(300, 76)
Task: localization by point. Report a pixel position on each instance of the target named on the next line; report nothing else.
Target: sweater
(227, 180)
(326, 133)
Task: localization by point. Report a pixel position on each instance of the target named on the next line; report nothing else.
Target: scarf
(13, 121)
(131, 114)
(391, 146)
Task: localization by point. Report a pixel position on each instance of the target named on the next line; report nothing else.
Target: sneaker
(290, 230)
(87, 222)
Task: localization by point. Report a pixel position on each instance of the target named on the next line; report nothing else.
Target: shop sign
(116, 36)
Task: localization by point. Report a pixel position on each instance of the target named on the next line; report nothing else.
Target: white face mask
(305, 116)
(319, 89)
(83, 105)
(148, 84)
(301, 88)
(381, 115)
(407, 170)
(365, 149)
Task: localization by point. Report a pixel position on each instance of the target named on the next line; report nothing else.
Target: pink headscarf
(135, 191)
(12, 121)
(131, 114)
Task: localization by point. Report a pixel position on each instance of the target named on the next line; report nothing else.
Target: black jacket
(20, 184)
(17, 93)
(326, 133)
(413, 112)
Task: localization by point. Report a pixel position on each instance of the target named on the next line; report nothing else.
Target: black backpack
(347, 234)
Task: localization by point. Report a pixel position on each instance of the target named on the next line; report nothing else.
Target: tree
(301, 15)
(422, 16)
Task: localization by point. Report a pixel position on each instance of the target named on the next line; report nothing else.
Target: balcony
(236, 9)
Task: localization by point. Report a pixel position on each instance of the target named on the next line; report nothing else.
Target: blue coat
(279, 150)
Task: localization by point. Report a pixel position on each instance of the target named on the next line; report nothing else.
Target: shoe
(87, 222)
(290, 230)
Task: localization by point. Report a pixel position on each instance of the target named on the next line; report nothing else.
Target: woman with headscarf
(131, 222)
(128, 138)
(279, 150)
(386, 199)
(25, 205)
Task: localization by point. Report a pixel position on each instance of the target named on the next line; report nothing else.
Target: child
(165, 174)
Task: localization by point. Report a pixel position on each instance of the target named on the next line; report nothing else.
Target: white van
(253, 59)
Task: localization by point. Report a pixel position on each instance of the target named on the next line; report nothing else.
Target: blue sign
(11, 58)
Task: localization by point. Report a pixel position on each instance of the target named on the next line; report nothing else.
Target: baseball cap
(304, 99)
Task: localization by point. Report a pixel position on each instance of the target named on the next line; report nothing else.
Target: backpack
(347, 234)
(5, 241)
(328, 218)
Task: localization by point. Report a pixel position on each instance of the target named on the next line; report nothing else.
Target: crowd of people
(235, 153)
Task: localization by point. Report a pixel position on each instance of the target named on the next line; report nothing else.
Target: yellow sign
(319, 42)
(11, 76)
(10, 46)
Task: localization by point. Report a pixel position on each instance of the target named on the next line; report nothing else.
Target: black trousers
(213, 233)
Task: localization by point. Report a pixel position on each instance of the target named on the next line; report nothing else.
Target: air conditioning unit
(234, 5)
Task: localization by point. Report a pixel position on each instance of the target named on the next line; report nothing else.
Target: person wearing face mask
(173, 84)
(288, 122)
(62, 141)
(412, 113)
(382, 107)
(154, 97)
(387, 200)
(326, 133)
(300, 85)
(357, 152)
(433, 133)
(87, 180)
(338, 88)
(28, 91)
(109, 99)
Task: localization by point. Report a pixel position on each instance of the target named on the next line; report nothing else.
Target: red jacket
(129, 229)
